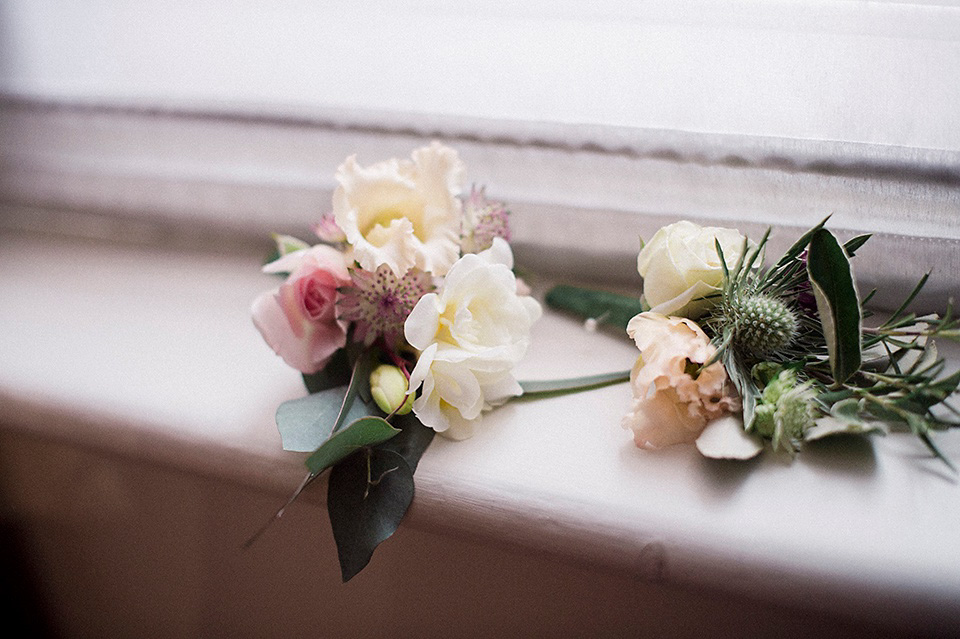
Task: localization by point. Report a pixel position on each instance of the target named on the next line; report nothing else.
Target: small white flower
(402, 213)
(471, 334)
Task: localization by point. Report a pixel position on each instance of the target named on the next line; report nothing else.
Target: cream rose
(403, 213)
(680, 265)
(298, 320)
(671, 403)
(471, 334)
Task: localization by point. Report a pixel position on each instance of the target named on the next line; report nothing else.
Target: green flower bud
(388, 386)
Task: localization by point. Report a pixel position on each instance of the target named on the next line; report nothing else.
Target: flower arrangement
(735, 356)
(405, 320)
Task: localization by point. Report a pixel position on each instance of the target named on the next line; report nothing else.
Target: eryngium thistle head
(763, 324)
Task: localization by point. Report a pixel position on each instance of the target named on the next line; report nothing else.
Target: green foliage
(364, 432)
(367, 498)
(837, 303)
(537, 389)
(610, 309)
(307, 422)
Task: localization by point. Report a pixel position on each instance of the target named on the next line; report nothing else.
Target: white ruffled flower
(471, 334)
(402, 213)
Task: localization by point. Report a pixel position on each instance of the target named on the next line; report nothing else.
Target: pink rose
(299, 320)
(672, 401)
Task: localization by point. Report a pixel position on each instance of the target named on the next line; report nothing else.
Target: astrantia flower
(484, 220)
(378, 303)
(471, 333)
(403, 213)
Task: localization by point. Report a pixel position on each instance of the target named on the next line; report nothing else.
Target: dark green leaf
(360, 379)
(794, 251)
(854, 244)
(367, 431)
(573, 384)
(895, 319)
(611, 309)
(368, 495)
(336, 373)
(412, 441)
(305, 423)
(837, 304)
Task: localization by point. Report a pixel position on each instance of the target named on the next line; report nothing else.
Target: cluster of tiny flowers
(379, 302)
(764, 324)
(492, 221)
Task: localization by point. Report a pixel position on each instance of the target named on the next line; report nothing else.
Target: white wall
(872, 72)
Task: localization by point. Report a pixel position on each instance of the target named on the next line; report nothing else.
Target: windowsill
(151, 355)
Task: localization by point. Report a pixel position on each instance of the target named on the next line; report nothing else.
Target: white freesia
(471, 334)
(680, 265)
(403, 213)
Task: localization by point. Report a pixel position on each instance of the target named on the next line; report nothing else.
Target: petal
(422, 324)
(724, 438)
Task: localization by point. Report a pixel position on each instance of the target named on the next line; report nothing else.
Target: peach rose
(672, 403)
(298, 320)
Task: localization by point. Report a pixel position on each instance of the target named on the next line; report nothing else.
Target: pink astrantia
(379, 302)
(484, 220)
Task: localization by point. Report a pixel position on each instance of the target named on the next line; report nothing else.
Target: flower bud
(388, 386)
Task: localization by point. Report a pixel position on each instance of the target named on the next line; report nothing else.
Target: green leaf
(854, 244)
(794, 251)
(288, 244)
(837, 303)
(360, 378)
(367, 497)
(307, 422)
(367, 431)
(413, 440)
(574, 384)
(336, 373)
(611, 309)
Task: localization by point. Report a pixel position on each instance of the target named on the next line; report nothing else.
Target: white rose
(680, 265)
(471, 334)
(403, 213)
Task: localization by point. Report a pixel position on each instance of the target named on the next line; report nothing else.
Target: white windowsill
(151, 355)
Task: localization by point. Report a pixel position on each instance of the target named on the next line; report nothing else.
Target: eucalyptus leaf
(359, 379)
(837, 303)
(607, 308)
(572, 385)
(367, 431)
(307, 422)
(368, 495)
(829, 426)
(413, 440)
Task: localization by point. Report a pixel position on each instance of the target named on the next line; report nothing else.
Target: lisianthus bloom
(673, 399)
(298, 320)
(402, 213)
(471, 334)
(680, 267)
